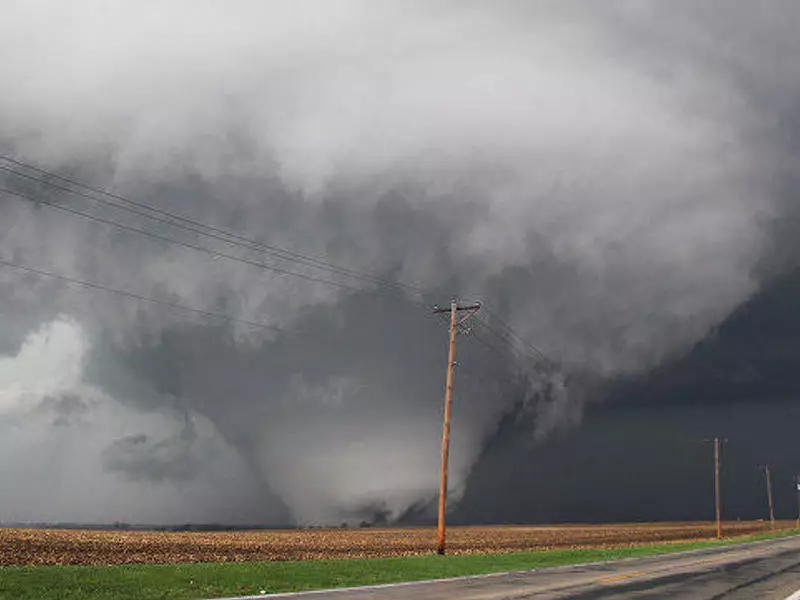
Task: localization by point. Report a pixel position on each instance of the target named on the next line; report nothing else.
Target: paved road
(763, 570)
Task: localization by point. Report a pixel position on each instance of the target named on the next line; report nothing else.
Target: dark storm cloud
(601, 175)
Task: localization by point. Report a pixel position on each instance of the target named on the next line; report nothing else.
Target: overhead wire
(503, 355)
(181, 243)
(140, 297)
(506, 339)
(177, 220)
(506, 352)
(526, 363)
(192, 309)
(233, 239)
(514, 335)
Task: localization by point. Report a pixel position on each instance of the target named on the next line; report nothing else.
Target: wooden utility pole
(717, 487)
(718, 500)
(769, 496)
(797, 486)
(448, 405)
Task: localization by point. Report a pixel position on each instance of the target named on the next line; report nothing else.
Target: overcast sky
(611, 179)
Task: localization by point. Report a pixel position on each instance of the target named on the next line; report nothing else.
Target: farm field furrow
(92, 547)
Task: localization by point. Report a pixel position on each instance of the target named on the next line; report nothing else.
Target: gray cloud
(601, 176)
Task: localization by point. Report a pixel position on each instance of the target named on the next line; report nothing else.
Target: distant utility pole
(717, 488)
(455, 321)
(797, 486)
(769, 496)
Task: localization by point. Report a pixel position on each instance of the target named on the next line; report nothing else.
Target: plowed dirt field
(80, 547)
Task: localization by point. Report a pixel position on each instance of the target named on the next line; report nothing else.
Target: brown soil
(57, 547)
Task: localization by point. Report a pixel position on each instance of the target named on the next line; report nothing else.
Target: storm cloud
(609, 179)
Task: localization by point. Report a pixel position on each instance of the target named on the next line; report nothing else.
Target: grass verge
(207, 580)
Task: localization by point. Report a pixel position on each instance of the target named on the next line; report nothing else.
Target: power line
(188, 308)
(510, 332)
(214, 253)
(219, 254)
(216, 233)
(513, 334)
(541, 359)
(182, 222)
(97, 286)
(510, 352)
(189, 245)
(503, 356)
(174, 305)
(186, 223)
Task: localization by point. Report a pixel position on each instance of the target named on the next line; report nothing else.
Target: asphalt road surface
(762, 570)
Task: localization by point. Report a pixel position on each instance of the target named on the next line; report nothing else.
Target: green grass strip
(207, 580)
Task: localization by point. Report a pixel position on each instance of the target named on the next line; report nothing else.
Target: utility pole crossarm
(471, 307)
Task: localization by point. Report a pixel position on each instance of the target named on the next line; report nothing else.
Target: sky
(611, 180)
